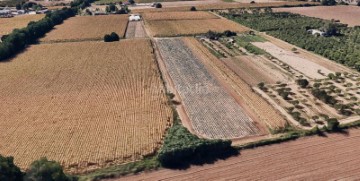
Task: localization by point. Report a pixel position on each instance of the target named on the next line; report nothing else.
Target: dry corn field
(190, 15)
(263, 110)
(9, 24)
(87, 28)
(214, 113)
(192, 27)
(84, 104)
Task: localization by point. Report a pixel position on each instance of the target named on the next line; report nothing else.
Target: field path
(314, 158)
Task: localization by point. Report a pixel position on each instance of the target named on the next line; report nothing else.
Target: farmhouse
(316, 32)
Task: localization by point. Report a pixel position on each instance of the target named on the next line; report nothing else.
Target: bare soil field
(7, 25)
(309, 68)
(255, 69)
(190, 15)
(191, 27)
(87, 28)
(346, 14)
(135, 29)
(264, 114)
(205, 5)
(214, 113)
(83, 104)
(333, 157)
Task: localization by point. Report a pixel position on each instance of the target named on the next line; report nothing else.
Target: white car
(134, 17)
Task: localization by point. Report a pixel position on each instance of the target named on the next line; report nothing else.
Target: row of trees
(17, 40)
(39, 170)
(343, 46)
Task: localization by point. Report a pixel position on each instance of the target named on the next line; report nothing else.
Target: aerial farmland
(97, 90)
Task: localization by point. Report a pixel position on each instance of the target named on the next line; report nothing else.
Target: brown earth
(84, 104)
(87, 28)
(9, 24)
(346, 14)
(333, 157)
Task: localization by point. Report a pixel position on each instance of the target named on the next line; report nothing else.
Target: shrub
(192, 8)
(252, 2)
(45, 170)
(332, 124)
(303, 83)
(182, 148)
(112, 37)
(229, 33)
(8, 170)
(131, 1)
(158, 5)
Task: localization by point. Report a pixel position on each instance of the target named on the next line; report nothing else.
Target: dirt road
(314, 158)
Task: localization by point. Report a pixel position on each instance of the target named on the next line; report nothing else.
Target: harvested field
(346, 14)
(214, 113)
(303, 65)
(9, 24)
(333, 157)
(82, 104)
(249, 100)
(190, 15)
(255, 69)
(217, 5)
(192, 27)
(87, 28)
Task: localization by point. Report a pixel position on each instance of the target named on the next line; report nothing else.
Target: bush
(332, 124)
(328, 2)
(229, 33)
(112, 37)
(182, 148)
(252, 2)
(303, 83)
(8, 170)
(193, 8)
(44, 170)
(158, 5)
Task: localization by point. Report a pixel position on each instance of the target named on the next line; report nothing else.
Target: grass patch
(115, 171)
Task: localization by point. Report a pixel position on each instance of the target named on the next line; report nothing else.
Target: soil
(346, 14)
(330, 157)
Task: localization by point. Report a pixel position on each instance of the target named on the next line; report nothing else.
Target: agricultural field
(278, 69)
(256, 106)
(191, 27)
(83, 104)
(213, 112)
(9, 24)
(330, 157)
(346, 14)
(135, 29)
(210, 5)
(191, 15)
(82, 28)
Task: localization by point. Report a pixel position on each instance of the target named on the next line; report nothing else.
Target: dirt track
(315, 158)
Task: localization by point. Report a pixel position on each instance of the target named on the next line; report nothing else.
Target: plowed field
(335, 157)
(190, 15)
(84, 104)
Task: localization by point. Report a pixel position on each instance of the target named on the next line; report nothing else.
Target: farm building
(316, 32)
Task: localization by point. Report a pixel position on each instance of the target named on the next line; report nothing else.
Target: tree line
(39, 170)
(17, 40)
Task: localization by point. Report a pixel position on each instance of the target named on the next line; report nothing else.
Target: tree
(158, 5)
(8, 170)
(330, 29)
(303, 83)
(114, 36)
(18, 6)
(192, 8)
(332, 124)
(131, 1)
(358, 3)
(107, 38)
(328, 2)
(45, 170)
